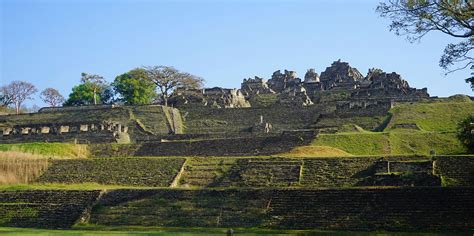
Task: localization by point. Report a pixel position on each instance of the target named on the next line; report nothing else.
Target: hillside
(413, 128)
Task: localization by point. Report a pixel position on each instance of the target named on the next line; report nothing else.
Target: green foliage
(135, 88)
(83, 94)
(436, 116)
(48, 149)
(416, 18)
(466, 133)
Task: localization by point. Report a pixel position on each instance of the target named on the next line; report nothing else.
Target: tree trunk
(17, 107)
(95, 96)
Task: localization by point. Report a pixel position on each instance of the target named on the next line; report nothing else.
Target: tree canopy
(96, 82)
(134, 87)
(416, 18)
(83, 94)
(17, 92)
(52, 97)
(168, 78)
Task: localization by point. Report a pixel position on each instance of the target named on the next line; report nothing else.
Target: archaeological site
(335, 150)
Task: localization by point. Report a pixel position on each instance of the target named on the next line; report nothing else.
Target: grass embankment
(49, 149)
(316, 151)
(20, 168)
(431, 116)
(436, 130)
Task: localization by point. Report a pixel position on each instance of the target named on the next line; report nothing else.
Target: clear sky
(50, 42)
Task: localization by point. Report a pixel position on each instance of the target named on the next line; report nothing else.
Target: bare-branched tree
(416, 18)
(52, 97)
(18, 92)
(168, 78)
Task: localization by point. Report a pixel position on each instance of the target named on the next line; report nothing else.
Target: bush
(466, 133)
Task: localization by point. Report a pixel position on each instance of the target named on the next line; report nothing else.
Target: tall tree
(416, 18)
(18, 92)
(168, 78)
(134, 87)
(52, 97)
(96, 81)
(83, 94)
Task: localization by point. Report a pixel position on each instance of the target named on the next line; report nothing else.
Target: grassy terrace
(62, 150)
(414, 129)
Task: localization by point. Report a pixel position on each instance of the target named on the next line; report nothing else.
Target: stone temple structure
(290, 90)
(340, 76)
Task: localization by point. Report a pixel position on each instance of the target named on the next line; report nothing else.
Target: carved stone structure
(294, 96)
(279, 82)
(262, 127)
(214, 97)
(388, 85)
(55, 131)
(340, 76)
(250, 87)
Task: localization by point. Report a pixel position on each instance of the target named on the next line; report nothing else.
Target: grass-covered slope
(355, 143)
(49, 149)
(441, 116)
(414, 128)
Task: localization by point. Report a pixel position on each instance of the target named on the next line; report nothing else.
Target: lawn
(435, 116)
(49, 149)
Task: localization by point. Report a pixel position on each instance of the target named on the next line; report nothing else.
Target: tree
(5, 100)
(17, 92)
(97, 82)
(83, 94)
(52, 97)
(134, 87)
(167, 79)
(466, 133)
(416, 18)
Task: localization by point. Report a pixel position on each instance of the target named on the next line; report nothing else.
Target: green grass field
(435, 116)
(49, 149)
(438, 122)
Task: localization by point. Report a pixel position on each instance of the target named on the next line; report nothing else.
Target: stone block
(64, 129)
(7, 131)
(25, 130)
(45, 130)
(84, 128)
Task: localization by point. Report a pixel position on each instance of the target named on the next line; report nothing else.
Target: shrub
(466, 133)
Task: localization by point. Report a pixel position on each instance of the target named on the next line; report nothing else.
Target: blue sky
(50, 42)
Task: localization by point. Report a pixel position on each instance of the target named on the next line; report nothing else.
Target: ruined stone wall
(64, 132)
(456, 170)
(90, 124)
(363, 107)
(253, 146)
(241, 120)
(149, 172)
(407, 209)
(44, 208)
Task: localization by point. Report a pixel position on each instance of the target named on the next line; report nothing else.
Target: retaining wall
(407, 209)
(252, 146)
(150, 172)
(44, 208)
